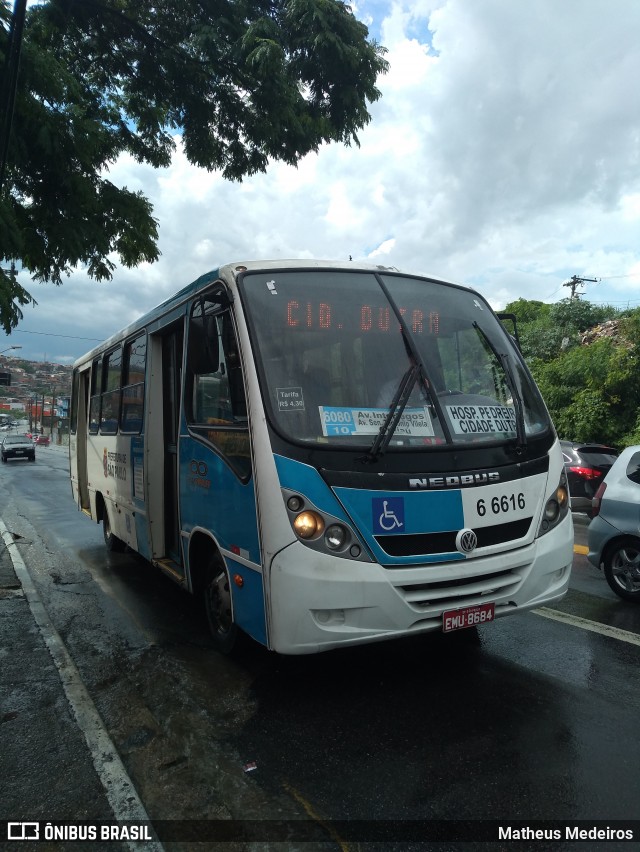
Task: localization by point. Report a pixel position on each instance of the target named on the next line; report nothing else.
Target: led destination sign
(325, 316)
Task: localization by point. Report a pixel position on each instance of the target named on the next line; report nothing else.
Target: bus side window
(215, 399)
(94, 407)
(73, 417)
(135, 355)
(110, 399)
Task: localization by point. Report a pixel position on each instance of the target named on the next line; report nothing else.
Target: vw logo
(466, 541)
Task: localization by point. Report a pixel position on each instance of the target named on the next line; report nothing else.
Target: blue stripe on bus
(305, 480)
(409, 513)
(248, 600)
(212, 497)
(422, 511)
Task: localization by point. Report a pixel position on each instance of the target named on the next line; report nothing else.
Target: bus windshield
(340, 353)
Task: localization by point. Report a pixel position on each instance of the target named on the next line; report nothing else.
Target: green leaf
(244, 82)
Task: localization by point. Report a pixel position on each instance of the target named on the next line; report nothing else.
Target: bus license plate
(470, 616)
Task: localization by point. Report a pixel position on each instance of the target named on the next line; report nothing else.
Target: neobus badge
(454, 480)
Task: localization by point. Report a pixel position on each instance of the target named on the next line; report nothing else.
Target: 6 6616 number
(500, 505)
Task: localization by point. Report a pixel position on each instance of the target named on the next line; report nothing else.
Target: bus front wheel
(217, 601)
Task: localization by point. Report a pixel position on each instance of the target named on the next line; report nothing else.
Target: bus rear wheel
(112, 542)
(217, 602)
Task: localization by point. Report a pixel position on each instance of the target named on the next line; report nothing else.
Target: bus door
(171, 383)
(81, 430)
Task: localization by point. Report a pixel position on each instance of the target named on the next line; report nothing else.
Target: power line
(613, 304)
(611, 277)
(48, 334)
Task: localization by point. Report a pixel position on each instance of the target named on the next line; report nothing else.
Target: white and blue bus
(329, 454)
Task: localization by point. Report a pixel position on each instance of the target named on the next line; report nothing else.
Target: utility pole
(577, 281)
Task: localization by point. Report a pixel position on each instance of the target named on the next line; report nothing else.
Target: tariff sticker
(290, 399)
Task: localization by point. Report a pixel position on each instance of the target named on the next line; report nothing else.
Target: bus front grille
(433, 598)
(422, 544)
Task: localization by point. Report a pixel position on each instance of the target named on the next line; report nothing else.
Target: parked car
(586, 466)
(17, 447)
(613, 535)
(42, 440)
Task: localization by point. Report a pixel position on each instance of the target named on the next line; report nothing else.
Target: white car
(614, 531)
(17, 447)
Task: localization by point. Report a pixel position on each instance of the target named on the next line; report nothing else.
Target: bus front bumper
(319, 602)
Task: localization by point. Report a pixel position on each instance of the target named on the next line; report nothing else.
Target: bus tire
(217, 603)
(112, 542)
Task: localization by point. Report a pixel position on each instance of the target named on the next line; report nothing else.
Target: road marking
(122, 795)
(586, 624)
(311, 811)
(580, 548)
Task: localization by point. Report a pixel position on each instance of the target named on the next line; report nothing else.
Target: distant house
(11, 404)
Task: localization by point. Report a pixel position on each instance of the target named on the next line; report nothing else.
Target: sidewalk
(47, 769)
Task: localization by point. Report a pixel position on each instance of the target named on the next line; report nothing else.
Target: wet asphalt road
(527, 718)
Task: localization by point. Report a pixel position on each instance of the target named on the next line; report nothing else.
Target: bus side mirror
(510, 324)
(204, 346)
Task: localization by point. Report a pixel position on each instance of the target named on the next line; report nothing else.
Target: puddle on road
(172, 715)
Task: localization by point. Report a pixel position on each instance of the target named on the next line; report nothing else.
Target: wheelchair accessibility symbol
(388, 514)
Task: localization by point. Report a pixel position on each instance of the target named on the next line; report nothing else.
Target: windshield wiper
(398, 404)
(503, 359)
(417, 370)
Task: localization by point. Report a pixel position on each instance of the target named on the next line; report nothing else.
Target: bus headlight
(335, 537)
(321, 531)
(551, 510)
(308, 525)
(556, 507)
(562, 496)
(295, 503)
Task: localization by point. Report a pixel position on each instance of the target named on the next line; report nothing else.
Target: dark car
(17, 447)
(586, 465)
(614, 532)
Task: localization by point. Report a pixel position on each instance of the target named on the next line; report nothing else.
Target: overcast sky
(503, 154)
